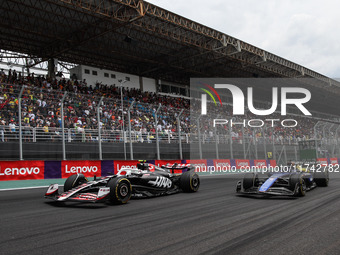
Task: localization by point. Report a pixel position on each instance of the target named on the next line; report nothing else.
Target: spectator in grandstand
(2, 131)
(26, 132)
(12, 129)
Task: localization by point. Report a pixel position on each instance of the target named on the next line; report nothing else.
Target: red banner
(272, 162)
(242, 164)
(86, 167)
(119, 164)
(222, 165)
(258, 163)
(21, 170)
(334, 161)
(322, 161)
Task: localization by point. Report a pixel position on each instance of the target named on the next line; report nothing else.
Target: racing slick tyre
(297, 185)
(73, 181)
(120, 190)
(189, 181)
(249, 180)
(321, 178)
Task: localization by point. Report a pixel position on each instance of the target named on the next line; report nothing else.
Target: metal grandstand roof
(137, 37)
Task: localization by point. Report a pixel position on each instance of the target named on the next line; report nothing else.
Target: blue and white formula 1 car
(146, 180)
(291, 183)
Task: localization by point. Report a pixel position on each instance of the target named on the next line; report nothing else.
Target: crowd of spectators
(41, 108)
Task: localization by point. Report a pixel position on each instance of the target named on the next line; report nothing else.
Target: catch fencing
(45, 123)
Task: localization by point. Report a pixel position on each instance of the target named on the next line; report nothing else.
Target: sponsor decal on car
(161, 182)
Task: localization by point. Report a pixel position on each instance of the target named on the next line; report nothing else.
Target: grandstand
(124, 39)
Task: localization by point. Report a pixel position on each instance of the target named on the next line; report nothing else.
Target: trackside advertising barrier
(333, 161)
(21, 170)
(30, 170)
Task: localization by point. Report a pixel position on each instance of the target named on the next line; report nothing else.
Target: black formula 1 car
(288, 183)
(146, 180)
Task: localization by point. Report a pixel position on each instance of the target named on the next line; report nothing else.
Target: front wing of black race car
(85, 192)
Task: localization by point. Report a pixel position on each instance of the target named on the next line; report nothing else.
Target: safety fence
(30, 117)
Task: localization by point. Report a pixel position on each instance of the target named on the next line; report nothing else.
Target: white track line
(36, 187)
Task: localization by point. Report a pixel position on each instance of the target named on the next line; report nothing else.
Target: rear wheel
(189, 181)
(120, 190)
(73, 181)
(321, 178)
(297, 185)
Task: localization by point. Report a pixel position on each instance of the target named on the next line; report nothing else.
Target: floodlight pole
(329, 132)
(199, 137)
(179, 135)
(274, 149)
(337, 136)
(231, 141)
(63, 125)
(123, 126)
(20, 125)
(129, 118)
(243, 143)
(329, 139)
(316, 141)
(216, 141)
(255, 144)
(264, 142)
(99, 129)
(157, 140)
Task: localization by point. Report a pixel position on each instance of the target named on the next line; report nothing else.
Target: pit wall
(33, 170)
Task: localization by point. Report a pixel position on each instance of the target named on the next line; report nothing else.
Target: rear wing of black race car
(176, 166)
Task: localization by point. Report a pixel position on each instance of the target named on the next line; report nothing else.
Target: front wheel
(321, 178)
(249, 180)
(120, 190)
(73, 181)
(189, 181)
(297, 185)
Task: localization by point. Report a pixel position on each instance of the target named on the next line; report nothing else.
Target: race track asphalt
(211, 221)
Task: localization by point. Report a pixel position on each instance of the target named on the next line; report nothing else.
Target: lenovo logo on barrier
(81, 169)
(20, 171)
(86, 167)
